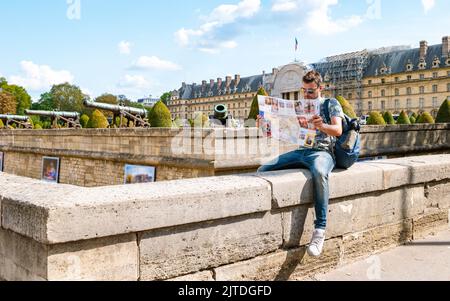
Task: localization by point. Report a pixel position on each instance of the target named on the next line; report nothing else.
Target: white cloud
(40, 77)
(318, 15)
(86, 91)
(284, 5)
(155, 63)
(134, 82)
(124, 47)
(428, 5)
(204, 38)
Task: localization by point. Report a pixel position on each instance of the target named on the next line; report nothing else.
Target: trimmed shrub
(403, 118)
(98, 121)
(254, 111)
(425, 118)
(389, 118)
(177, 123)
(159, 116)
(124, 122)
(443, 116)
(84, 120)
(347, 107)
(414, 115)
(200, 120)
(1, 124)
(38, 126)
(375, 118)
(412, 120)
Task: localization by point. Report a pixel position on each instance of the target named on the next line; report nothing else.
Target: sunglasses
(309, 91)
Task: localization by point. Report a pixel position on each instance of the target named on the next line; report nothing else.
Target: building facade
(394, 79)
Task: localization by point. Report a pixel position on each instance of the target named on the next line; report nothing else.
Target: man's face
(311, 91)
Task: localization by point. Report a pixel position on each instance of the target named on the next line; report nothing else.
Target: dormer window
(447, 63)
(409, 66)
(436, 62)
(422, 64)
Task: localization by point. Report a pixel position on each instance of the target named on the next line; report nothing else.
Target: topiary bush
(124, 122)
(159, 116)
(375, 118)
(412, 119)
(443, 116)
(425, 118)
(98, 121)
(38, 126)
(254, 111)
(84, 120)
(403, 118)
(1, 124)
(347, 107)
(389, 118)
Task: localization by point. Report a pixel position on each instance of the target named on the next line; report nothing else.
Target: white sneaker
(316, 246)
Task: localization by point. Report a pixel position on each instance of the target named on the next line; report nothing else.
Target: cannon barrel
(53, 114)
(221, 112)
(115, 108)
(14, 117)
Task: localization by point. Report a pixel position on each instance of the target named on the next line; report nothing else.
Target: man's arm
(334, 130)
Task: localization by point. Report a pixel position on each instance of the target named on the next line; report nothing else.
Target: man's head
(312, 85)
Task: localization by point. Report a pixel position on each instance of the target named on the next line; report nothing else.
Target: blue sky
(143, 47)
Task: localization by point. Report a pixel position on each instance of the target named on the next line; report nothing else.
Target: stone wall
(241, 227)
(92, 158)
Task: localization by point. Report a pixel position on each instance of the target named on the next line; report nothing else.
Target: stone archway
(288, 79)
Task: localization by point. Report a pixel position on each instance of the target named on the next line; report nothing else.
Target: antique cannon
(138, 116)
(20, 121)
(221, 116)
(70, 119)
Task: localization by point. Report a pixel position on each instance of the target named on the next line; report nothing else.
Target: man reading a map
(318, 157)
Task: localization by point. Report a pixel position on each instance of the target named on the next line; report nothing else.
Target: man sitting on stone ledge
(319, 159)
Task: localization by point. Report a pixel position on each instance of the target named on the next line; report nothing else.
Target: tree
(23, 99)
(84, 120)
(403, 118)
(166, 97)
(375, 118)
(8, 103)
(45, 103)
(159, 116)
(347, 107)
(67, 97)
(389, 118)
(108, 99)
(443, 116)
(254, 111)
(425, 118)
(98, 121)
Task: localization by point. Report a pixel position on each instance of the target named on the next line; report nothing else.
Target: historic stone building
(391, 79)
(386, 79)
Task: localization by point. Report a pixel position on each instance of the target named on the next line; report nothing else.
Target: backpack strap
(326, 108)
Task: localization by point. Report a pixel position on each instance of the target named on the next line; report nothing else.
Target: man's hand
(318, 123)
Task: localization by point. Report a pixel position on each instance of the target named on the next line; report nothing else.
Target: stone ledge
(54, 214)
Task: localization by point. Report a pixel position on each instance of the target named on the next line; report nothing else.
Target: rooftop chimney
(228, 81)
(446, 46)
(211, 83)
(423, 49)
(275, 71)
(219, 83)
(237, 80)
(183, 85)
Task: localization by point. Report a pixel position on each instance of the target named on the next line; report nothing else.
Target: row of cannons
(139, 117)
(72, 119)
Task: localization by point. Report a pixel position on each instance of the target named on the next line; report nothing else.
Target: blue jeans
(320, 164)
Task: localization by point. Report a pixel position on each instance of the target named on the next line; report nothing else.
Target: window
(350, 96)
(435, 75)
(448, 73)
(435, 88)
(409, 77)
(435, 102)
(383, 81)
(422, 90)
(370, 106)
(397, 92)
(383, 105)
(422, 76)
(409, 91)
(370, 94)
(295, 97)
(383, 93)
(397, 79)
(448, 87)
(408, 103)
(421, 103)
(397, 104)
(370, 81)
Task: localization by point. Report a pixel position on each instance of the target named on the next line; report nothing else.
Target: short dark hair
(313, 77)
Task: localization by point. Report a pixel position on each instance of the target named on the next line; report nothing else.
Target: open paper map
(289, 121)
